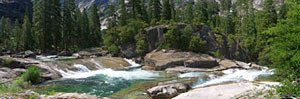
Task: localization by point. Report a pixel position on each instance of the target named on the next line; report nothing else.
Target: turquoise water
(99, 85)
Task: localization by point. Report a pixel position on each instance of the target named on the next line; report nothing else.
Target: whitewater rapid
(84, 72)
(204, 78)
(234, 75)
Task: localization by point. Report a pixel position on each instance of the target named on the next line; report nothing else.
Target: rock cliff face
(15, 9)
(155, 35)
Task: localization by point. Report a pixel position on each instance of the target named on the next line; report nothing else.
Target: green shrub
(114, 49)
(33, 74)
(218, 54)
(197, 45)
(7, 61)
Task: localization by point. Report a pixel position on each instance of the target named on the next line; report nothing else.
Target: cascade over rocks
(16, 66)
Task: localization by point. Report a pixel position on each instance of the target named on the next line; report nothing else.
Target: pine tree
(111, 17)
(135, 8)
(8, 38)
(68, 23)
(38, 23)
(95, 26)
(17, 31)
(172, 37)
(186, 37)
(144, 14)
(56, 21)
(197, 45)
(78, 31)
(28, 35)
(189, 11)
(284, 8)
(166, 10)
(156, 9)
(173, 11)
(47, 23)
(123, 13)
(270, 14)
(150, 9)
(86, 29)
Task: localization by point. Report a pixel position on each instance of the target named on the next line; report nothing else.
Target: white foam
(235, 75)
(135, 74)
(84, 72)
(132, 63)
(191, 74)
(99, 66)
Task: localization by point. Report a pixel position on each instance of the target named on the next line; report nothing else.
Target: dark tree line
(54, 27)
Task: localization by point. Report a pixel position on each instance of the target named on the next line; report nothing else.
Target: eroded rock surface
(33, 95)
(167, 91)
(161, 60)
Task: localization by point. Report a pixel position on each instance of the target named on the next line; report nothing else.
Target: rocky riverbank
(242, 90)
(87, 63)
(176, 61)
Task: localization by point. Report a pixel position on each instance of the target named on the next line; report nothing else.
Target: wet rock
(70, 96)
(7, 73)
(201, 62)
(223, 64)
(52, 53)
(167, 91)
(248, 65)
(65, 53)
(31, 94)
(93, 52)
(48, 69)
(128, 51)
(29, 54)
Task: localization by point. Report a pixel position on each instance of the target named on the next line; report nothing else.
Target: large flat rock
(161, 60)
(224, 91)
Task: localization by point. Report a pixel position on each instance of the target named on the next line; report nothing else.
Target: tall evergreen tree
(173, 11)
(95, 26)
(78, 31)
(86, 29)
(135, 8)
(68, 23)
(189, 11)
(144, 14)
(166, 10)
(111, 16)
(270, 14)
(28, 35)
(150, 9)
(18, 36)
(47, 23)
(123, 13)
(156, 9)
